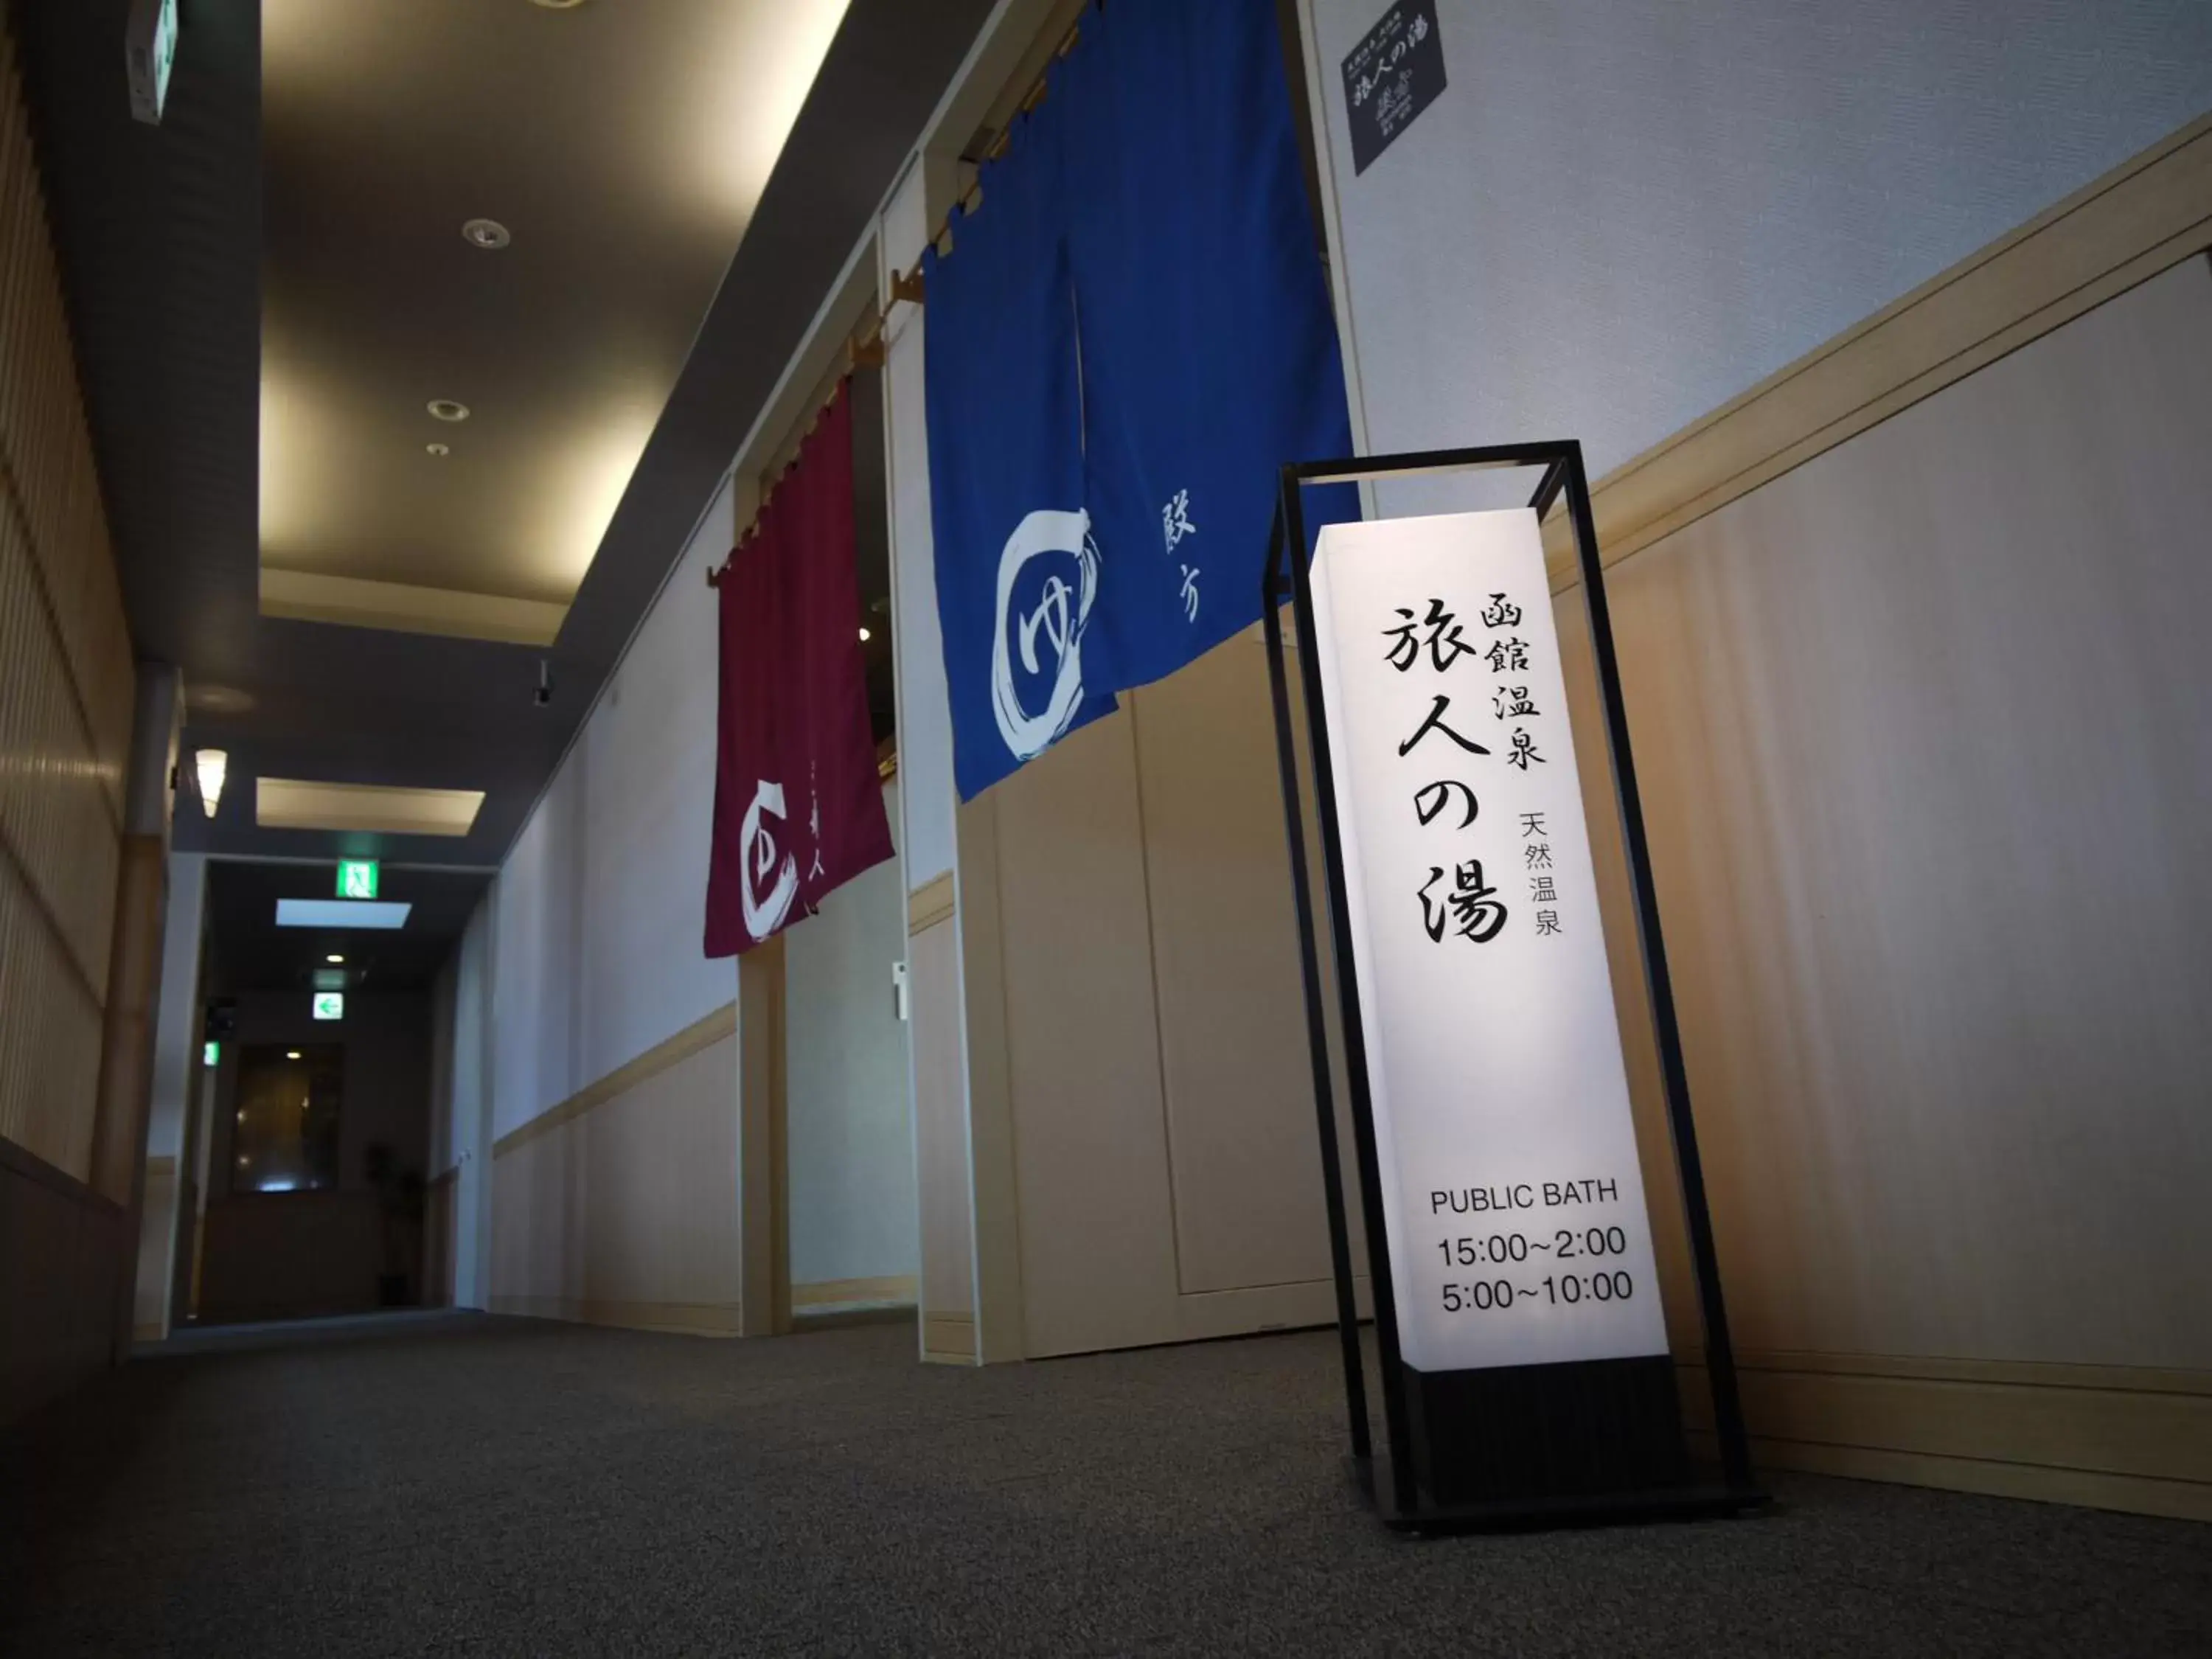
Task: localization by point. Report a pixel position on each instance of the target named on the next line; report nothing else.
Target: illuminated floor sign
(1523, 1348)
(1510, 1182)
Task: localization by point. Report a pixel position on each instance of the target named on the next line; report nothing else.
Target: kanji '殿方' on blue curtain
(1130, 337)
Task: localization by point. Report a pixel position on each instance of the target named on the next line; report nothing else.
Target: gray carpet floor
(488, 1487)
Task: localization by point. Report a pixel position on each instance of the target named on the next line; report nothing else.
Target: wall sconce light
(211, 765)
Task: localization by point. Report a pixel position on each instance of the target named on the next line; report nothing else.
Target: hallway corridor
(494, 1486)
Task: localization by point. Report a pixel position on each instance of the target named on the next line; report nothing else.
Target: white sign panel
(1511, 1197)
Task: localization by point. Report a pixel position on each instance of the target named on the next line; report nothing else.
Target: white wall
(177, 1027)
(466, 1146)
(599, 908)
(924, 703)
(849, 1134)
(177, 1022)
(443, 992)
(1616, 218)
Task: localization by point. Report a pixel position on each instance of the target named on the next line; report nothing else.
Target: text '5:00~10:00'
(1495, 1295)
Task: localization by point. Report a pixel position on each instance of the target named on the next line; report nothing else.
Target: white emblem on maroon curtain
(770, 879)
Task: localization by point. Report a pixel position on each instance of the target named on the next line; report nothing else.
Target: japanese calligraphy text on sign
(1514, 1206)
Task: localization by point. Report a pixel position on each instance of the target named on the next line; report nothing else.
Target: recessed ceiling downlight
(217, 699)
(445, 408)
(487, 233)
(558, 5)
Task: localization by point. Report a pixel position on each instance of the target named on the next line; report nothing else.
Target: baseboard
(682, 1318)
(948, 1339)
(2108, 1437)
(844, 1292)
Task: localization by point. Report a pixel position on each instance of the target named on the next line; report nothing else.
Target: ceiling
(623, 147)
(296, 218)
(247, 951)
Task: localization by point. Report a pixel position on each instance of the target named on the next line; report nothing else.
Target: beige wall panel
(1926, 731)
(1097, 1229)
(626, 1213)
(1200, 1317)
(1232, 1033)
(659, 1194)
(1632, 1002)
(948, 1238)
(2116, 1438)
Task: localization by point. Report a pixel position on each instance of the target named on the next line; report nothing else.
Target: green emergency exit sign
(357, 878)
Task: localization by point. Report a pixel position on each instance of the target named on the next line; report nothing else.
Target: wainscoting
(1954, 1165)
(620, 1206)
(64, 1252)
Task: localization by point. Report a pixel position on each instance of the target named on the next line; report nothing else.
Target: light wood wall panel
(1083, 1057)
(1237, 1075)
(1926, 729)
(626, 1212)
(66, 686)
(1922, 726)
(1166, 1167)
(940, 1099)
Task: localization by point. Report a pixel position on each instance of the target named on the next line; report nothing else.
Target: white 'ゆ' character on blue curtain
(1131, 336)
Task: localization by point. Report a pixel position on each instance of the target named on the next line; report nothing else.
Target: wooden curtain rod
(863, 348)
(908, 285)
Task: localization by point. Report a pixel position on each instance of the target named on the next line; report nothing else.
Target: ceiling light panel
(297, 803)
(641, 141)
(379, 915)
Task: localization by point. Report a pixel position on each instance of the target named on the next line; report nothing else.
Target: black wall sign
(1391, 76)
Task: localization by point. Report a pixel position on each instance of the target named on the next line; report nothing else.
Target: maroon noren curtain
(798, 807)
(752, 876)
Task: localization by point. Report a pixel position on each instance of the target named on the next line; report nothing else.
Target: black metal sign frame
(1403, 1482)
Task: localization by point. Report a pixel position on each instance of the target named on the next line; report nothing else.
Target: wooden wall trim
(32, 1168)
(948, 1339)
(836, 1292)
(2147, 214)
(670, 1051)
(2042, 1374)
(929, 904)
(681, 1318)
(2111, 1436)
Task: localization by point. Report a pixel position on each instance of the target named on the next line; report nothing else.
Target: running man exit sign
(357, 878)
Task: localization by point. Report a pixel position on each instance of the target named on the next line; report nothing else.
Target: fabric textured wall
(1614, 219)
(66, 692)
(848, 1135)
(598, 906)
(444, 992)
(925, 713)
(468, 1147)
(177, 1027)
